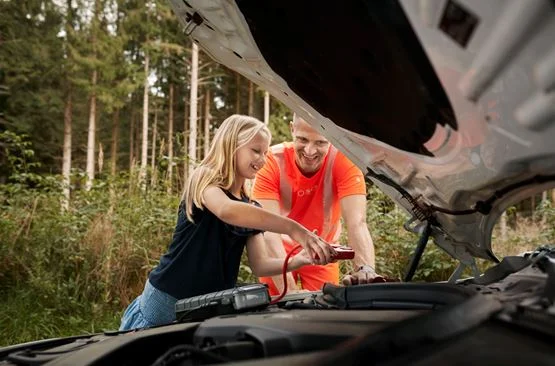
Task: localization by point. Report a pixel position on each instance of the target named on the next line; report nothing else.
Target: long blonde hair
(218, 166)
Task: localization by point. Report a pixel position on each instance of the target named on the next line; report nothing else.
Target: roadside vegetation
(74, 271)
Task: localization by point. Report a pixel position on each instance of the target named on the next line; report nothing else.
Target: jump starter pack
(231, 301)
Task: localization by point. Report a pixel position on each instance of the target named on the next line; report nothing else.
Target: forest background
(105, 107)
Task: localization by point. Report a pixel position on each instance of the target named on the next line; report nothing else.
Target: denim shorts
(152, 307)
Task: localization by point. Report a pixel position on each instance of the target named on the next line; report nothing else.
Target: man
(311, 182)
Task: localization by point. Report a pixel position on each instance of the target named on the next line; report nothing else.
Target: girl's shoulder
(247, 199)
(244, 197)
(239, 230)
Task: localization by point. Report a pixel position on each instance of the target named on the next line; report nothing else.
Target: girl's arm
(247, 215)
(263, 265)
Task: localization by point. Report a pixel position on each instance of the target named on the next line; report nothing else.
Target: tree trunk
(503, 225)
(266, 108)
(66, 160)
(170, 139)
(543, 205)
(154, 136)
(237, 93)
(251, 99)
(185, 140)
(144, 147)
(115, 138)
(131, 141)
(207, 118)
(100, 157)
(153, 176)
(533, 207)
(68, 113)
(91, 134)
(91, 140)
(114, 158)
(193, 110)
(137, 139)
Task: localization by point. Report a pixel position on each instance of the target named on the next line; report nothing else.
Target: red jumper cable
(342, 253)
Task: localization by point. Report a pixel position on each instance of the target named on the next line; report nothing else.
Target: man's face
(310, 147)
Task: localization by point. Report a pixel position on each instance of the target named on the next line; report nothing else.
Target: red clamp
(343, 252)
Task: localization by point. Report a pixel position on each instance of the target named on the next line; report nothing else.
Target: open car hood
(448, 106)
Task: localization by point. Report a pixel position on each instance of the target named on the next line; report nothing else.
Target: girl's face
(251, 157)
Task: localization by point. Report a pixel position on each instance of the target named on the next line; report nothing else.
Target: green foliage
(279, 122)
(87, 258)
(19, 164)
(92, 260)
(30, 55)
(4, 94)
(71, 272)
(395, 246)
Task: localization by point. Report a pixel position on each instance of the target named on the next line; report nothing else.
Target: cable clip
(193, 21)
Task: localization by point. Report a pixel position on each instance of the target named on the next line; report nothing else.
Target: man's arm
(353, 210)
(275, 247)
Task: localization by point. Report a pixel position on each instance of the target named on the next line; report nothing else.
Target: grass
(26, 316)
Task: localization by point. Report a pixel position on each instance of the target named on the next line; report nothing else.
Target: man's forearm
(353, 210)
(361, 242)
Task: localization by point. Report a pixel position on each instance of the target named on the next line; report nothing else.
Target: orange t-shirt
(307, 193)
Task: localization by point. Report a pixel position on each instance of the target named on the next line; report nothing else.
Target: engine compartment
(501, 321)
(273, 332)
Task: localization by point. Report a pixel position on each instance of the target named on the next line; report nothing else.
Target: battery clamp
(343, 252)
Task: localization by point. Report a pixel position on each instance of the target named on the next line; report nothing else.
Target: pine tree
(193, 109)
(207, 118)
(68, 108)
(31, 56)
(266, 107)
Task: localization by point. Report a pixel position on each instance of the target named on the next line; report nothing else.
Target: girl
(216, 220)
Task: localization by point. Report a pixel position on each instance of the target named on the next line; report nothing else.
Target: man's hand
(364, 274)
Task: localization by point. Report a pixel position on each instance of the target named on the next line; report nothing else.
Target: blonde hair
(218, 166)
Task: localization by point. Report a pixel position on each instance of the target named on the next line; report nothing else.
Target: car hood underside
(447, 106)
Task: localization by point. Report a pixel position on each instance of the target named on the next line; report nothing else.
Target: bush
(88, 262)
(92, 260)
(395, 246)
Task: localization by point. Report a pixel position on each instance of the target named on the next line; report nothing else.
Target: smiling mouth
(310, 159)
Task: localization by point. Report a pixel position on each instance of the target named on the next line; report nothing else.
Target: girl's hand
(317, 249)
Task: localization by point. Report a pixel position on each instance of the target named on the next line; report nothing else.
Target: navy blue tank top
(203, 256)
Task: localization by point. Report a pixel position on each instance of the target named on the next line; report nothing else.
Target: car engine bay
(511, 306)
